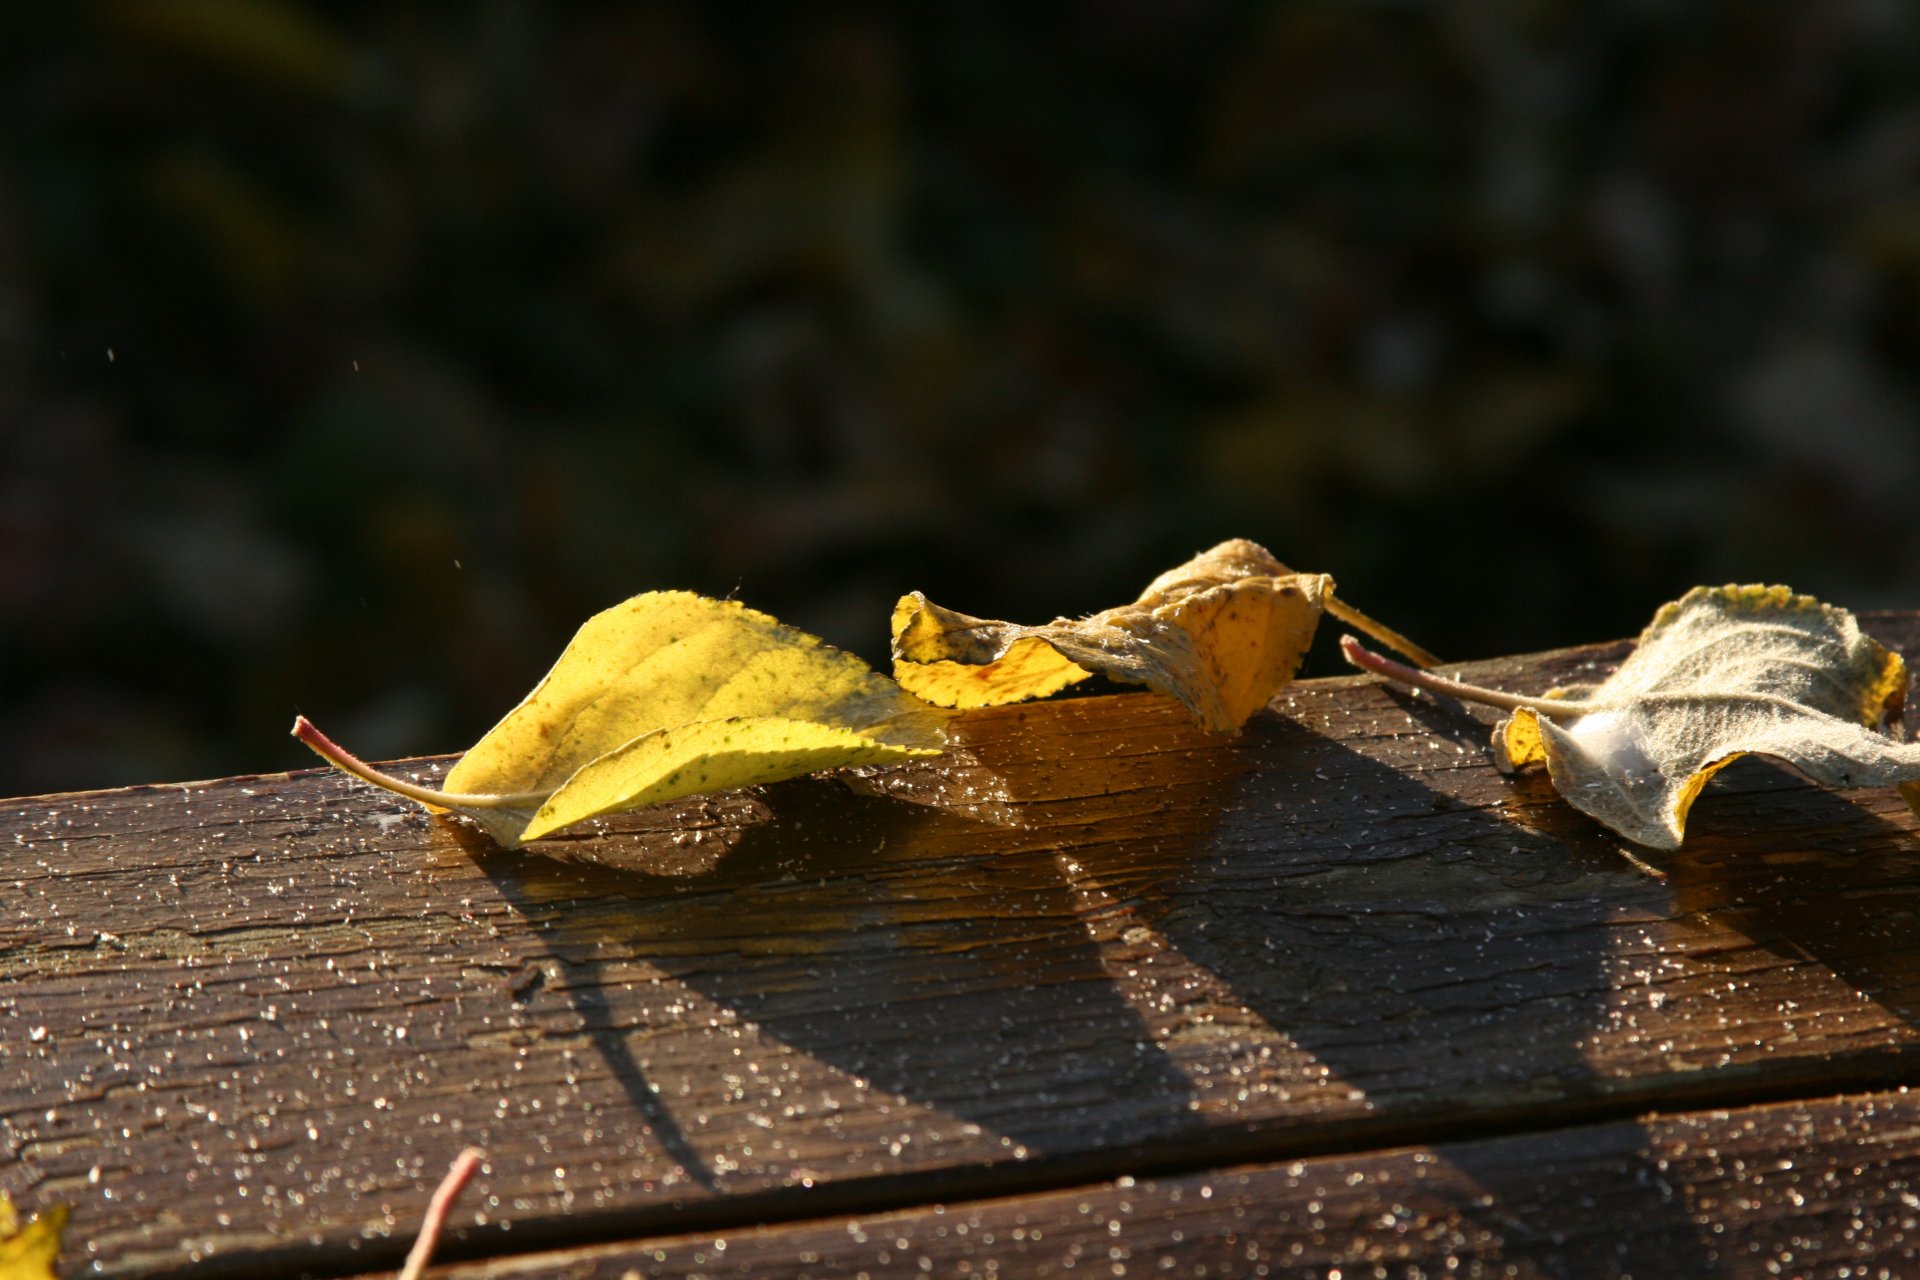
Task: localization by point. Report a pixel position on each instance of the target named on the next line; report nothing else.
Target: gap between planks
(1201, 1156)
(1783, 1188)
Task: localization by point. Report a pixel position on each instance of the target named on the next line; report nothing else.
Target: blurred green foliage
(350, 355)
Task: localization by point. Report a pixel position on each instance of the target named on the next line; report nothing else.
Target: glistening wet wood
(1337, 960)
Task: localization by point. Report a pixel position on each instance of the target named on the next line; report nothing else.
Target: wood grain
(1790, 1189)
(248, 1022)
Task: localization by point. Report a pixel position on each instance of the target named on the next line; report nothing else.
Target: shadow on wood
(1276, 915)
(1808, 875)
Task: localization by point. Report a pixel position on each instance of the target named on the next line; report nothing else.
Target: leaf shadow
(1012, 939)
(863, 931)
(538, 888)
(1028, 926)
(1838, 883)
(1410, 905)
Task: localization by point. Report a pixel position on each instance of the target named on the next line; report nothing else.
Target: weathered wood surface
(247, 1023)
(1788, 1189)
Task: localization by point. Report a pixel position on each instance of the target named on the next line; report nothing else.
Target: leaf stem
(1379, 664)
(340, 758)
(1379, 631)
(438, 1208)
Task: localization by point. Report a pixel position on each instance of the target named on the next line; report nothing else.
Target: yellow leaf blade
(665, 695)
(708, 755)
(669, 658)
(29, 1252)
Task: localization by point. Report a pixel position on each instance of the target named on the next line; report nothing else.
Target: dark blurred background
(351, 355)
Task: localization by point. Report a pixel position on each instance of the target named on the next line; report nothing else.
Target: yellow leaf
(1222, 633)
(1720, 673)
(667, 695)
(708, 755)
(28, 1252)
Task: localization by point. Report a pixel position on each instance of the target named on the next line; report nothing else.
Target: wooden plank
(248, 1022)
(1790, 1189)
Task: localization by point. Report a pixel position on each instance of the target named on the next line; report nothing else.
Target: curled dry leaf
(1221, 633)
(666, 695)
(1720, 673)
(28, 1250)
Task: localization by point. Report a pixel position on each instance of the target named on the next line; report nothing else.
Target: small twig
(1379, 664)
(438, 1208)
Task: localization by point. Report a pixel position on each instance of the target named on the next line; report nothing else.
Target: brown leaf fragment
(1221, 633)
